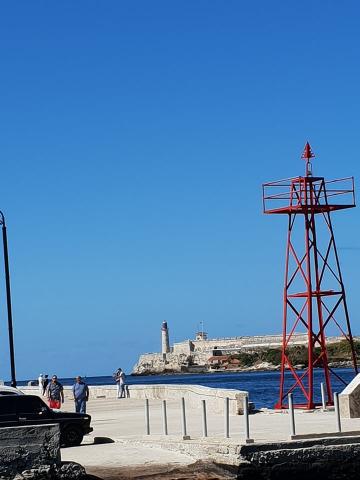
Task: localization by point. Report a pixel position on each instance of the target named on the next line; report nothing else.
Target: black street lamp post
(8, 301)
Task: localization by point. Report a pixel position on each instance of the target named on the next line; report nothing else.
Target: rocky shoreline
(261, 367)
(240, 354)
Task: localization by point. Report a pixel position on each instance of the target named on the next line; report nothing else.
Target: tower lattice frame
(314, 292)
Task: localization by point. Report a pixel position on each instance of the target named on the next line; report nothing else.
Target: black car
(20, 410)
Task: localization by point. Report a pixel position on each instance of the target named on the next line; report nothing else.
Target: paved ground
(131, 453)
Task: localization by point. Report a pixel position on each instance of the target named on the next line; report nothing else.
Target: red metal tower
(314, 293)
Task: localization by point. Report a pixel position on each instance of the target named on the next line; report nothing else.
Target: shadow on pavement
(100, 440)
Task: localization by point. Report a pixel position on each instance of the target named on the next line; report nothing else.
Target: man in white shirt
(120, 383)
(41, 383)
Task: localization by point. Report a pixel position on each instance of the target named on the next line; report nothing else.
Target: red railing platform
(291, 195)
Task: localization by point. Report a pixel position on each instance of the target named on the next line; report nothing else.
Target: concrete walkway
(122, 422)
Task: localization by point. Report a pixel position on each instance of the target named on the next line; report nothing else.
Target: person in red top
(55, 393)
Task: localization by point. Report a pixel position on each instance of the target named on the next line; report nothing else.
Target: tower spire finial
(307, 155)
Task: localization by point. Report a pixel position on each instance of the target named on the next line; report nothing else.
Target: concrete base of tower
(349, 399)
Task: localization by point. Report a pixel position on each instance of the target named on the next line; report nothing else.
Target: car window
(7, 404)
(6, 392)
(27, 404)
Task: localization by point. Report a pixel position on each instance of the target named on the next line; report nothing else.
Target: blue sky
(135, 137)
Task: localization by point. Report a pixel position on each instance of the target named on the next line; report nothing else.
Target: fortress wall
(185, 347)
(240, 342)
(246, 343)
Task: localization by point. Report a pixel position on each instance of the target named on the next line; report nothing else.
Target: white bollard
(226, 418)
(246, 419)
(185, 436)
(147, 416)
(204, 419)
(323, 396)
(337, 412)
(164, 418)
(292, 415)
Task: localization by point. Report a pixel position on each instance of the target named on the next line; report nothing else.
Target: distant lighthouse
(165, 345)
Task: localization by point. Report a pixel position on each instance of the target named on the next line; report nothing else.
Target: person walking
(117, 381)
(120, 383)
(55, 393)
(45, 384)
(81, 394)
(41, 383)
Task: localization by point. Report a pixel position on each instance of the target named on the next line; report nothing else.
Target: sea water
(263, 387)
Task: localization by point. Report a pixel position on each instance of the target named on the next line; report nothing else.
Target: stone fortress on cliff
(205, 355)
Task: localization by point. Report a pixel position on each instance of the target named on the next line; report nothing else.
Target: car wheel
(71, 436)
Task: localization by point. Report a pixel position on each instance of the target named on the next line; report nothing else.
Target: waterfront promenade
(132, 454)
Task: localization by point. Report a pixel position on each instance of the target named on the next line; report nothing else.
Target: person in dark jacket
(45, 384)
(81, 394)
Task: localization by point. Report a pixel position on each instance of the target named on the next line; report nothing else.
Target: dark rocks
(33, 453)
(27, 448)
(333, 459)
(65, 471)
(70, 470)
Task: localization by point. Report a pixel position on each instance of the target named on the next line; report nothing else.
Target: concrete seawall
(193, 395)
